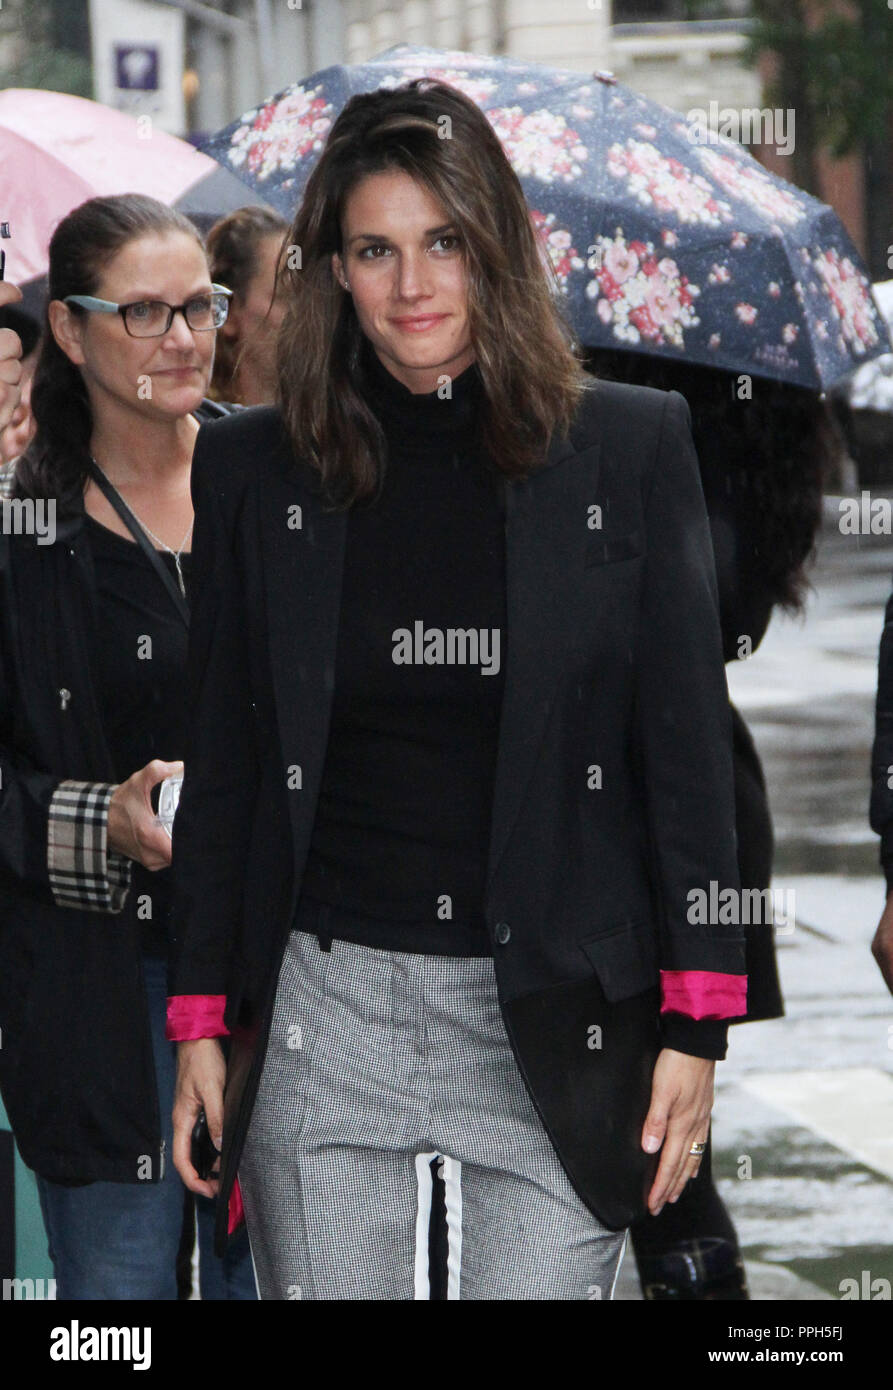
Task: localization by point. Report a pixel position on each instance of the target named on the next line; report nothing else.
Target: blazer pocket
(626, 960)
(603, 551)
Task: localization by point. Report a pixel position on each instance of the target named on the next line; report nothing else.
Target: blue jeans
(119, 1240)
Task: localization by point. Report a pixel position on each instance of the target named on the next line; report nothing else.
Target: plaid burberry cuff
(83, 872)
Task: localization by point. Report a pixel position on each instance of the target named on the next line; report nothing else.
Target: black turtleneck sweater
(402, 828)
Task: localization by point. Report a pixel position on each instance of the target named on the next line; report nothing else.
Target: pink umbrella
(58, 150)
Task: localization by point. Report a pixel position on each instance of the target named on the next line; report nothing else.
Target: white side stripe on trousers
(422, 1224)
(451, 1170)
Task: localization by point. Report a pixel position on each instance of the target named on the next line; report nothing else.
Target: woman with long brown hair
(460, 752)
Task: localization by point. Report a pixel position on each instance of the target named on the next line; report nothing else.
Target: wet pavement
(808, 1099)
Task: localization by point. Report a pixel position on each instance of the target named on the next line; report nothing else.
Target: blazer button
(503, 932)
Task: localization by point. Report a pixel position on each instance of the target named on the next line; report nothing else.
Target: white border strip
(422, 1224)
(850, 1107)
(452, 1180)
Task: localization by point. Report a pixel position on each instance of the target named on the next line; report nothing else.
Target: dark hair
(523, 347)
(55, 461)
(232, 249)
(770, 456)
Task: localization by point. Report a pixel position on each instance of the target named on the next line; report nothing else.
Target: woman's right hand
(201, 1072)
(132, 825)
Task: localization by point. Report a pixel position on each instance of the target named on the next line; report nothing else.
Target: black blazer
(614, 660)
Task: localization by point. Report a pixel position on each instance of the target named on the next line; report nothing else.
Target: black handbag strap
(139, 535)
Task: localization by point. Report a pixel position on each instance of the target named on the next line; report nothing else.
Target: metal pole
(264, 21)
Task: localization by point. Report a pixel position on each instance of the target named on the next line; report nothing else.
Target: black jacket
(76, 1069)
(614, 659)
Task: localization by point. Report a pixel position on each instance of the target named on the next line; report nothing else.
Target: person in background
(880, 809)
(16, 434)
(93, 628)
(763, 464)
(244, 250)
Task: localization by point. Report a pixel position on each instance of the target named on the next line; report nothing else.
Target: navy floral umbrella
(665, 238)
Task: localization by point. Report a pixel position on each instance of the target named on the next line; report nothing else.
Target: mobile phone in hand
(202, 1153)
(165, 797)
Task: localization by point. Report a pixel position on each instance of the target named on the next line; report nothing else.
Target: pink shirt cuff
(195, 1016)
(235, 1211)
(703, 994)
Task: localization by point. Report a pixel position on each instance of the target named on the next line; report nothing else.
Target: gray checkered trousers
(377, 1062)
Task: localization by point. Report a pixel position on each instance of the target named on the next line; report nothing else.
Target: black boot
(709, 1269)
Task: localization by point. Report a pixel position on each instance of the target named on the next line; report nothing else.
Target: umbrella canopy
(871, 387)
(57, 150)
(665, 238)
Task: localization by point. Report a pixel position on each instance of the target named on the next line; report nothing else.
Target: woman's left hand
(679, 1114)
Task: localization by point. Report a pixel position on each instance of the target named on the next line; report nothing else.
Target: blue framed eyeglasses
(152, 318)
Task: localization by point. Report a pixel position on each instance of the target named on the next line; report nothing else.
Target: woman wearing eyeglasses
(93, 629)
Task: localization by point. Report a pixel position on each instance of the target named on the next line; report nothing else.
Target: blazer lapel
(546, 533)
(303, 570)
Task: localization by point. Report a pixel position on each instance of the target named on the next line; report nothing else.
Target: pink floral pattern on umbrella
(558, 246)
(665, 184)
(278, 135)
(539, 144)
(752, 186)
(850, 296)
(639, 296)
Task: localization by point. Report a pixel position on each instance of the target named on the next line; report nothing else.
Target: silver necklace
(157, 539)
